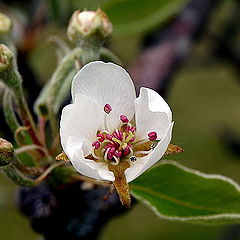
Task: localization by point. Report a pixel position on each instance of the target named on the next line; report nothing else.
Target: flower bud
(6, 58)
(5, 24)
(89, 26)
(6, 152)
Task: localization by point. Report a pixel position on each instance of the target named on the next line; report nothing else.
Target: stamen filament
(95, 156)
(118, 141)
(130, 136)
(116, 161)
(106, 154)
(121, 144)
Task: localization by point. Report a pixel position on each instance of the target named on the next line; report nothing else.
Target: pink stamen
(126, 151)
(118, 154)
(112, 150)
(115, 134)
(111, 153)
(124, 119)
(96, 144)
(118, 135)
(101, 137)
(152, 136)
(109, 137)
(107, 108)
(133, 129)
(130, 145)
(116, 145)
(109, 145)
(132, 139)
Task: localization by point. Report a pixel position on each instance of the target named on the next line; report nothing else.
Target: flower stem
(13, 80)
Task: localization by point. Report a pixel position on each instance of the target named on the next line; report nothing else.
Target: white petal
(156, 102)
(142, 164)
(89, 168)
(152, 114)
(81, 119)
(107, 83)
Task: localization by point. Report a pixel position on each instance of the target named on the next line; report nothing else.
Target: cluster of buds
(89, 26)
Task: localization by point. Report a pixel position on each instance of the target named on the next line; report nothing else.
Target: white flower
(106, 124)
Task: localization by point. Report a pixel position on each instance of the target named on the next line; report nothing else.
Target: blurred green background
(204, 97)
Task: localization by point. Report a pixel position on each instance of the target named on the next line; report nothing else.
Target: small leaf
(120, 182)
(177, 193)
(173, 149)
(135, 16)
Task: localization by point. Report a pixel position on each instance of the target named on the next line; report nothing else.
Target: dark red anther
(107, 108)
(101, 137)
(96, 144)
(118, 135)
(124, 119)
(118, 154)
(133, 129)
(126, 151)
(152, 136)
(109, 137)
(111, 153)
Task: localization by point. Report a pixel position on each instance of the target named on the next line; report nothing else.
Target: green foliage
(130, 17)
(48, 95)
(177, 193)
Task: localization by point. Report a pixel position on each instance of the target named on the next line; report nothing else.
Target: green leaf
(177, 193)
(135, 16)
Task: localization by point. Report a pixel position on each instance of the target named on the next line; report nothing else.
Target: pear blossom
(107, 124)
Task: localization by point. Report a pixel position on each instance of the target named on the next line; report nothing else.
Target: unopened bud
(89, 25)
(6, 152)
(5, 24)
(6, 58)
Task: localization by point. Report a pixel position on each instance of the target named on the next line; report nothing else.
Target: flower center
(121, 144)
